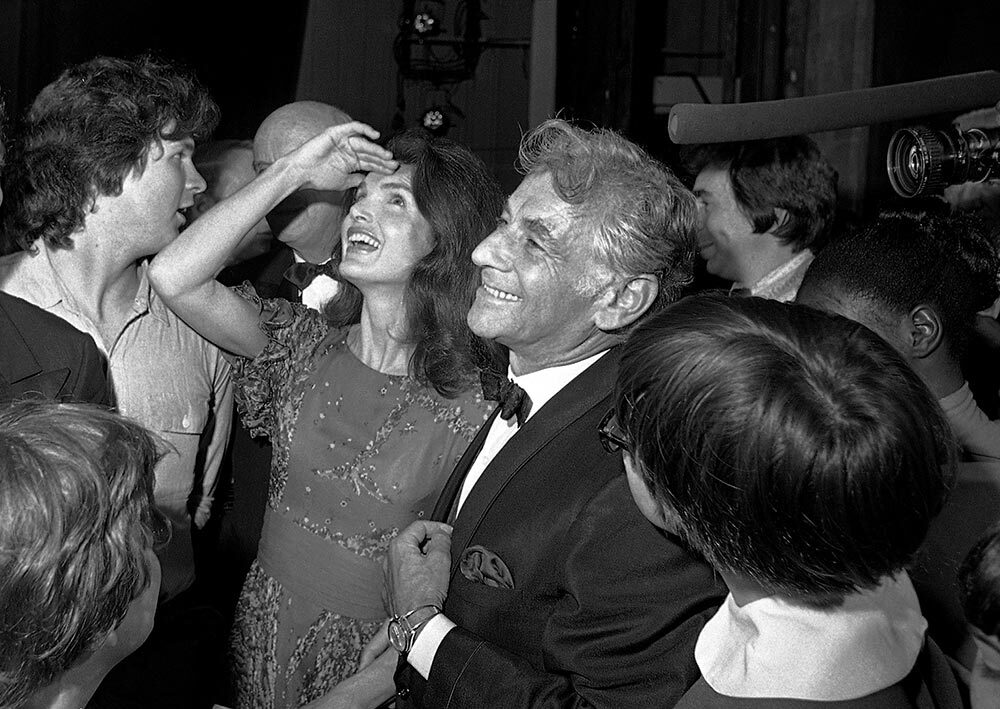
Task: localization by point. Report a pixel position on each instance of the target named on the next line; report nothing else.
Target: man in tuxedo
(551, 589)
(307, 223)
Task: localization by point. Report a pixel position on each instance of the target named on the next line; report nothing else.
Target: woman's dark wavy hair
(906, 258)
(794, 447)
(86, 131)
(461, 201)
(74, 528)
(979, 583)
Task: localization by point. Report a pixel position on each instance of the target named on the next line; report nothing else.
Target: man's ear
(624, 304)
(924, 331)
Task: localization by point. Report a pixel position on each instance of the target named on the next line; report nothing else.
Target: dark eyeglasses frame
(161, 529)
(611, 434)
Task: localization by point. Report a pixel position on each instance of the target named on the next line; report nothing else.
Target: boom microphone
(721, 123)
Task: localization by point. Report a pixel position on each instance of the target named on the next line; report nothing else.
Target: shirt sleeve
(222, 418)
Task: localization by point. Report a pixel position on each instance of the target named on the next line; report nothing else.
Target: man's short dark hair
(794, 447)
(83, 134)
(903, 259)
(74, 529)
(788, 173)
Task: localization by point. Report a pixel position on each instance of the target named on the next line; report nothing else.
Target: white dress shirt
(541, 386)
(320, 291)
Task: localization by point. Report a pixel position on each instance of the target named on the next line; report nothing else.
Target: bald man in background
(307, 223)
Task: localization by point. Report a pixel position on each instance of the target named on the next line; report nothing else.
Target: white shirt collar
(299, 259)
(543, 384)
(783, 282)
(777, 649)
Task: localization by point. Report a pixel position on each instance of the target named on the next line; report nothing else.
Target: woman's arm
(184, 272)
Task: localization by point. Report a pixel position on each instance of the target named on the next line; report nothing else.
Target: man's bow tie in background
(512, 398)
(302, 274)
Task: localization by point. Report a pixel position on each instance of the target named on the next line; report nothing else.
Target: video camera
(922, 160)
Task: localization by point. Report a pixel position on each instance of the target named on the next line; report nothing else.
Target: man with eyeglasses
(550, 589)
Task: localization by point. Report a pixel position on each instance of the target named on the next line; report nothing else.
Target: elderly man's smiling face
(538, 270)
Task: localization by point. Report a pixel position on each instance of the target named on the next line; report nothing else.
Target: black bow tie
(302, 274)
(512, 398)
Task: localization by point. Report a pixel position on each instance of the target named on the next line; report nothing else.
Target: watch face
(398, 636)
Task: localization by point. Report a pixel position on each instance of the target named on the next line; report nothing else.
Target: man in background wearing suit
(556, 591)
(307, 223)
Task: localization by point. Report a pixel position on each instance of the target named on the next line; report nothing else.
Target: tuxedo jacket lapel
(573, 401)
(454, 484)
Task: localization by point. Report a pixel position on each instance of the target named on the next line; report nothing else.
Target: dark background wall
(256, 56)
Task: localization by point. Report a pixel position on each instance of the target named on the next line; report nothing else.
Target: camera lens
(919, 161)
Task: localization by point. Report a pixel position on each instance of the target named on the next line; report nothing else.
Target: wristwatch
(403, 629)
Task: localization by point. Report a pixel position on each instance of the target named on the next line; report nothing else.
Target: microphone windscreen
(721, 123)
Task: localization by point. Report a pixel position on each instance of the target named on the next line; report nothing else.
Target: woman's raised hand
(339, 157)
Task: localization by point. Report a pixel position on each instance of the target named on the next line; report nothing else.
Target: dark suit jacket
(266, 272)
(605, 609)
(43, 356)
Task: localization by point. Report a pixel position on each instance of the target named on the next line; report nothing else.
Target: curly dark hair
(86, 131)
(793, 447)
(903, 259)
(789, 173)
(461, 201)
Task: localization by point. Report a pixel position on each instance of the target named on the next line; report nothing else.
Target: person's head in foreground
(915, 278)
(104, 130)
(597, 234)
(410, 236)
(979, 591)
(800, 455)
(78, 575)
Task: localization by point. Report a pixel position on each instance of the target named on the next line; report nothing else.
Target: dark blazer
(43, 356)
(266, 272)
(605, 609)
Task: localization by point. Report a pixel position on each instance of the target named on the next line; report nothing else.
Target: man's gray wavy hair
(642, 217)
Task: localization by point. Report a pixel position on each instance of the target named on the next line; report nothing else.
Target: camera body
(923, 160)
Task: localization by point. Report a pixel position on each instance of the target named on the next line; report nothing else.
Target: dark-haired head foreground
(78, 577)
(803, 457)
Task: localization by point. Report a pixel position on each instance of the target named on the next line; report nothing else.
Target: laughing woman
(367, 419)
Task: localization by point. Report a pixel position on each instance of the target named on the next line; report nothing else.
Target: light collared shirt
(320, 290)
(166, 377)
(774, 648)
(540, 386)
(979, 436)
(782, 283)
